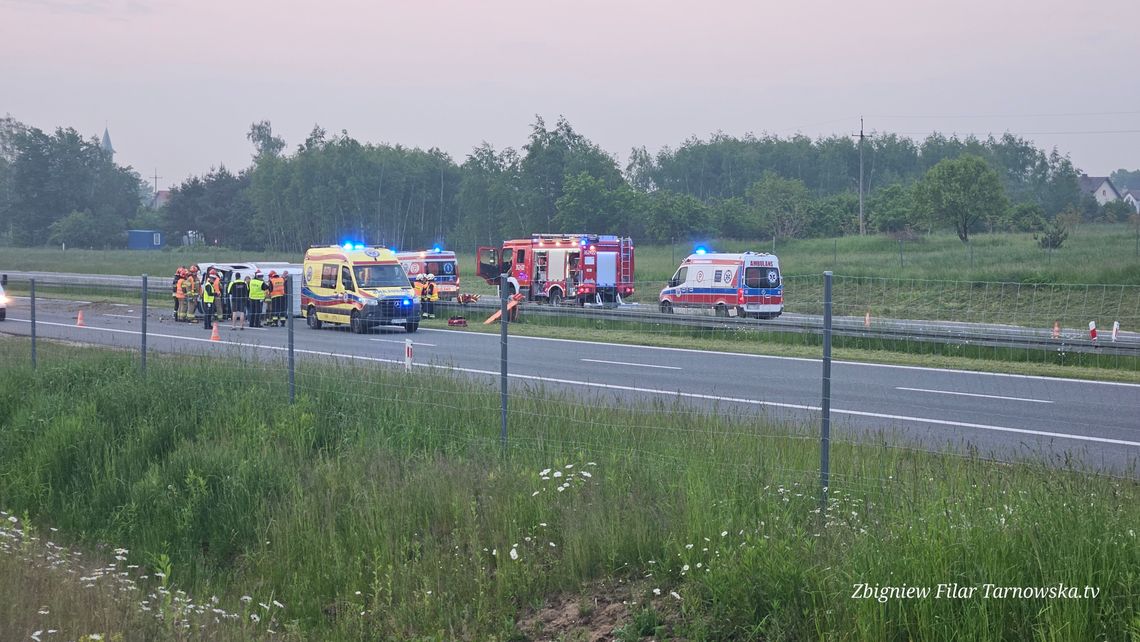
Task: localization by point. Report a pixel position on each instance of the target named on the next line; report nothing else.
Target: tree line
(61, 187)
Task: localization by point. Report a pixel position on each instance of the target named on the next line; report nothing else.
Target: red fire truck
(584, 268)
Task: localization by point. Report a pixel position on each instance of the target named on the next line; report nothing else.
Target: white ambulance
(745, 284)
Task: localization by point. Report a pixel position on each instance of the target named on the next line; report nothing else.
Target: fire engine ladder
(626, 273)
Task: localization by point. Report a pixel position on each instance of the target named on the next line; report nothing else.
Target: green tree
(780, 205)
(1126, 179)
(961, 192)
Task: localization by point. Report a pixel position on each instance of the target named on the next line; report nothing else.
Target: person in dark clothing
(238, 292)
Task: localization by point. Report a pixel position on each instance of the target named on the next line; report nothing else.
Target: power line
(1052, 133)
(1042, 115)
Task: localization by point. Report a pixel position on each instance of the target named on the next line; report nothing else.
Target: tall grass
(382, 505)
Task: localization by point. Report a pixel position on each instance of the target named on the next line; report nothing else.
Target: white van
(745, 284)
(243, 269)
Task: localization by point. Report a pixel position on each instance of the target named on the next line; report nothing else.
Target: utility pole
(154, 199)
(862, 223)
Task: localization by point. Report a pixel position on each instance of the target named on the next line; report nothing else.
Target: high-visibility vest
(179, 293)
(429, 292)
(419, 287)
(208, 293)
(256, 291)
(277, 284)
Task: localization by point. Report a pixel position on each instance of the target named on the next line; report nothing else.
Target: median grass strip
(382, 505)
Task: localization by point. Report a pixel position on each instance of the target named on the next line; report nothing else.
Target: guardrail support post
(289, 324)
(142, 362)
(825, 404)
(32, 299)
(504, 293)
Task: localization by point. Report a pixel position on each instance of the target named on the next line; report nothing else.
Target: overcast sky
(178, 82)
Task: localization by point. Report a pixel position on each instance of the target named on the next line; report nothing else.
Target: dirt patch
(591, 615)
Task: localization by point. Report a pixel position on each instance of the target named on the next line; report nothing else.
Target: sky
(178, 82)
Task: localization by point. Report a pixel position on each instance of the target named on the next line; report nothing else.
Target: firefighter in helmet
(429, 296)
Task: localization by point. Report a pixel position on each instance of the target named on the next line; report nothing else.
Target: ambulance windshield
(381, 276)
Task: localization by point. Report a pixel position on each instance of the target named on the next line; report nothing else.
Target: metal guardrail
(923, 331)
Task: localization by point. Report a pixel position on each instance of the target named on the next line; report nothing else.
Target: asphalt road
(1000, 415)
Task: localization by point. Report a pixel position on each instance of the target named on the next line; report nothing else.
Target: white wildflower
(534, 493)
(546, 471)
(723, 533)
(514, 554)
(688, 546)
(657, 591)
(675, 594)
(278, 604)
(254, 617)
(685, 568)
(245, 599)
(558, 473)
(584, 473)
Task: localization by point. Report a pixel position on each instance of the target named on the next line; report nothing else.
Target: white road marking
(122, 316)
(971, 394)
(655, 391)
(639, 365)
(835, 362)
(415, 343)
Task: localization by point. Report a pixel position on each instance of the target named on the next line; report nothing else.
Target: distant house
(1132, 197)
(1099, 187)
(160, 199)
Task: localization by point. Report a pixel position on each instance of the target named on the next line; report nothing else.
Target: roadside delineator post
(408, 355)
(1115, 330)
(1092, 331)
(867, 319)
(1056, 329)
(79, 320)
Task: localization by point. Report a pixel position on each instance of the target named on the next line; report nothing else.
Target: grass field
(1093, 254)
(382, 505)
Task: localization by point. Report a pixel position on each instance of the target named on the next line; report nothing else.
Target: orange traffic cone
(1056, 329)
(214, 335)
(79, 320)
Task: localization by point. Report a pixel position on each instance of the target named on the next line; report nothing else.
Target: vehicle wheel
(3, 313)
(311, 316)
(354, 322)
(555, 297)
(666, 307)
(721, 310)
(411, 327)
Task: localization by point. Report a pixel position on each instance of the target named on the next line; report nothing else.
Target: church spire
(107, 142)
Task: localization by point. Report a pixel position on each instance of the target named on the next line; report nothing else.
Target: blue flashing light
(701, 250)
(359, 246)
(407, 301)
(437, 248)
(347, 246)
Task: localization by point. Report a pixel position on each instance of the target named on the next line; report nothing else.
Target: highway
(1004, 416)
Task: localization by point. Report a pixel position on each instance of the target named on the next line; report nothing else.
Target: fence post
(32, 298)
(825, 404)
(144, 306)
(504, 290)
(289, 324)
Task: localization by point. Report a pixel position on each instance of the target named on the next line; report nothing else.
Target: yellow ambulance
(359, 286)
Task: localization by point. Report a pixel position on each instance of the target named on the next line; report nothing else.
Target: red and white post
(1115, 330)
(408, 354)
(1092, 331)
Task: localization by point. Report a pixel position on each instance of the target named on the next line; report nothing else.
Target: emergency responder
(209, 293)
(221, 305)
(181, 272)
(189, 302)
(196, 303)
(238, 292)
(257, 291)
(179, 295)
(428, 296)
(421, 281)
(277, 298)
